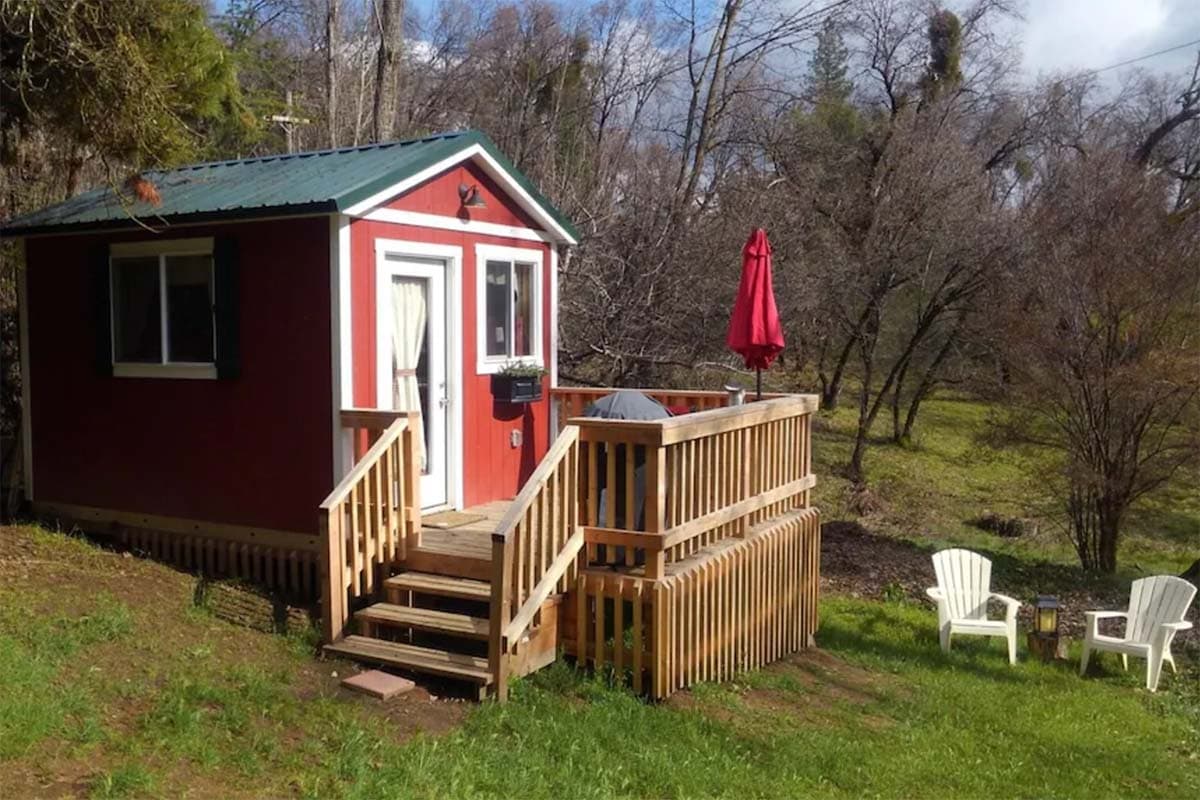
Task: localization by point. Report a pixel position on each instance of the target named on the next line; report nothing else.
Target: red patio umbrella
(754, 329)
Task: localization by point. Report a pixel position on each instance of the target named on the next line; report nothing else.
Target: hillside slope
(114, 684)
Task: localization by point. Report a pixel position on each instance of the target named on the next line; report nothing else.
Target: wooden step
(425, 619)
(440, 585)
(449, 562)
(411, 657)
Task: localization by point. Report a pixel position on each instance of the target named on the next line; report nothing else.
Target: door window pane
(410, 355)
(189, 309)
(137, 321)
(498, 311)
(523, 310)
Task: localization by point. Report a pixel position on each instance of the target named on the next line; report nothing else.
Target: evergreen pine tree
(828, 66)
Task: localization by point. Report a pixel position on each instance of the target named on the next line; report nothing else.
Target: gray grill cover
(627, 404)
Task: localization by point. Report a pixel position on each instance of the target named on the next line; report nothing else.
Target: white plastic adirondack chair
(964, 588)
(1156, 608)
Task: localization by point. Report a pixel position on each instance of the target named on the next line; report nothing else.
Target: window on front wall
(510, 304)
(162, 309)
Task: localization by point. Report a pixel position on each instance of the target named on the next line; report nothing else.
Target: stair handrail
(346, 484)
(560, 463)
(380, 499)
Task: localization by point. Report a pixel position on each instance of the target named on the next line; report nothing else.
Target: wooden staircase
(433, 624)
(389, 632)
(455, 609)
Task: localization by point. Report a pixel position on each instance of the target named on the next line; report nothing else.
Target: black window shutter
(226, 285)
(101, 309)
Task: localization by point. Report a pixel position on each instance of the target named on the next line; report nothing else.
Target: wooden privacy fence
(370, 520)
(535, 551)
(747, 603)
(656, 492)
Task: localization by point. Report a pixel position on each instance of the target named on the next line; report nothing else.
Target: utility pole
(289, 122)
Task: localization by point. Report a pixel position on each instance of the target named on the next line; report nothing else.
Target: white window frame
(490, 365)
(204, 370)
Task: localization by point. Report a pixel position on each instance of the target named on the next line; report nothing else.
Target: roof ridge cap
(309, 153)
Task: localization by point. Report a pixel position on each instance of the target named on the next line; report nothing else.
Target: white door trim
(452, 258)
(341, 348)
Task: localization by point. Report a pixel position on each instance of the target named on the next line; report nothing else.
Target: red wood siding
(255, 451)
(440, 196)
(492, 468)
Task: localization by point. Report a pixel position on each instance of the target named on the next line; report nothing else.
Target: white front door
(413, 359)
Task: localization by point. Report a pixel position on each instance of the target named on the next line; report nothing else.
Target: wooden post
(501, 611)
(742, 468)
(412, 478)
(806, 445)
(656, 507)
(333, 593)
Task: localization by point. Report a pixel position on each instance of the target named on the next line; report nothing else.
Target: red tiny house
(150, 438)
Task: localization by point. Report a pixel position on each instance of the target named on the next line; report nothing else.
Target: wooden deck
(464, 552)
(469, 541)
(669, 551)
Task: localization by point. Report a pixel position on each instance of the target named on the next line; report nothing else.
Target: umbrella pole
(758, 383)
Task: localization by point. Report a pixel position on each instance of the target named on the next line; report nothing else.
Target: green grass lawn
(930, 491)
(113, 684)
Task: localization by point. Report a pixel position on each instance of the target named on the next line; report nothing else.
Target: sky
(1090, 34)
(1064, 35)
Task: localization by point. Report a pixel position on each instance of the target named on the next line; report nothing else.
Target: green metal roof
(295, 183)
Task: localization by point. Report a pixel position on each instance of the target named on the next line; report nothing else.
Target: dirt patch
(422, 712)
(431, 708)
(829, 685)
(817, 688)
(820, 669)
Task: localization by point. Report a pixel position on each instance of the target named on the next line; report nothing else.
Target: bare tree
(389, 18)
(332, 45)
(1102, 352)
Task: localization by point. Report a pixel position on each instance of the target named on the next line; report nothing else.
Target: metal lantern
(1045, 616)
(470, 197)
(1044, 641)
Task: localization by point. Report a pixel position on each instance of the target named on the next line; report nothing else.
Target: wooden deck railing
(661, 490)
(535, 551)
(748, 603)
(365, 426)
(371, 518)
(570, 401)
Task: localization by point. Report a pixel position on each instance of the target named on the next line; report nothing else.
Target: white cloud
(1071, 35)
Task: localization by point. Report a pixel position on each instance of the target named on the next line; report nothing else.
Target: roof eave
(170, 220)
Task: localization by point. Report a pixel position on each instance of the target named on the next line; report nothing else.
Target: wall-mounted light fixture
(470, 197)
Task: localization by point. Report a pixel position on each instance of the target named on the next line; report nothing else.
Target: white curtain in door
(408, 335)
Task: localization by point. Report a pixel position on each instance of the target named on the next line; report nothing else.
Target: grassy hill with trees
(959, 468)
